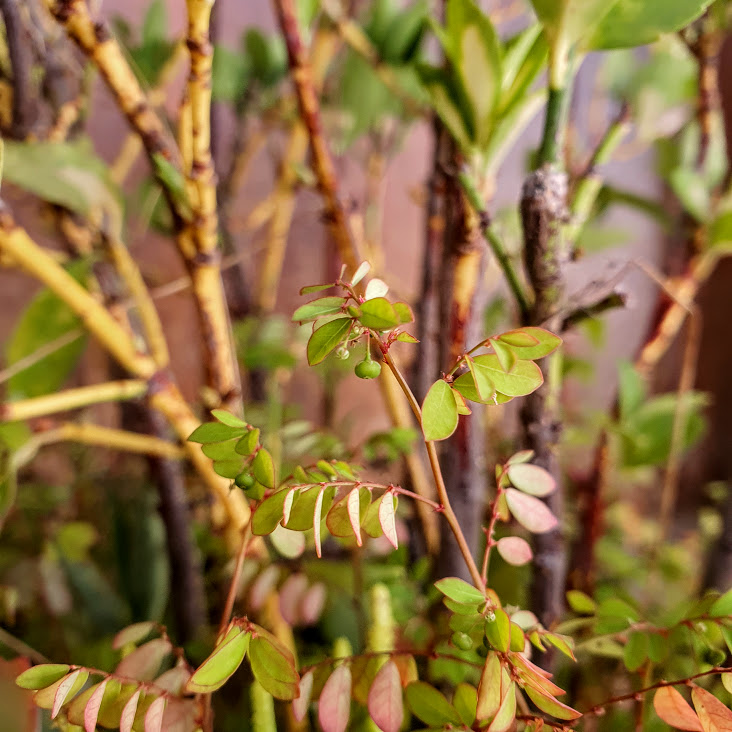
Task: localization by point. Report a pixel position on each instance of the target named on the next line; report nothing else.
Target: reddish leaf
(144, 662)
(531, 479)
(301, 704)
(313, 602)
(317, 517)
(489, 689)
(91, 711)
(385, 703)
(673, 709)
(154, 715)
(263, 586)
(354, 513)
(291, 594)
(547, 703)
(128, 713)
(386, 519)
(506, 714)
(514, 550)
(713, 715)
(67, 689)
(334, 707)
(530, 512)
(287, 505)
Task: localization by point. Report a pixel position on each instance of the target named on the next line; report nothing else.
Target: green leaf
(406, 338)
(722, 607)
(44, 320)
(450, 105)
(460, 591)
(221, 451)
(40, 677)
(505, 354)
(273, 666)
(68, 174)
(342, 520)
(155, 23)
(230, 75)
(405, 316)
(637, 22)
(498, 630)
(524, 378)
(636, 651)
(692, 191)
(439, 412)
(68, 688)
(263, 468)
(228, 418)
(379, 314)
(548, 343)
(227, 468)
(326, 338)
(489, 689)
(531, 479)
(318, 308)
(268, 514)
(631, 390)
(248, 444)
(483, 385)
(430, 705)
(474, 51)
(567, 21)
(581, 603)
(224, 660)
(465, 701)
(465, 385)
(562, 643)
(215, 432)
(550, 705)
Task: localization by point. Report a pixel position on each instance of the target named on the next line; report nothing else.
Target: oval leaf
(133, 634)
(506, 714)
(430, 705)
(673, 709)
(514, 550)
(530, 512)
(713, 715)
(531, 479)
(354, 503)
(318, 308)
(154, 715)
(128, 712)
(263, 468)
(387, 511)
(273, 666)
(91, 710)
(224, 660)
(460, 591)
(144, 662)
(524, 378)
(326, 338)
(334, 707)
(39, 677)
(301, 704)
(439, 412)
(550, 705)
(268, 514)
(489, 689)
(379, 314)
(67, 689)
(385, 703)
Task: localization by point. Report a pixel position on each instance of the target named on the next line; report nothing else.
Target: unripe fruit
(244, 480)
(368, 369)
(462, 641)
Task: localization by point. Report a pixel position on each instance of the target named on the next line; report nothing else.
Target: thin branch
(39, 354)
(21, 648)
(64, 401)
(15, 242)
(323, 164)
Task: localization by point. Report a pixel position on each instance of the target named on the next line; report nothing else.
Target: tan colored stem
(16, 242)
(146, 310)
(322, 161)
(65, 401)
(90, 434)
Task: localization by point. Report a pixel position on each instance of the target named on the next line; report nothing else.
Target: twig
(323, 165)
(69, 399)
(39, 354)
(21, 648)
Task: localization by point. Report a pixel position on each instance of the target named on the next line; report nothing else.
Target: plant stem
(439, 480)
(69, 399)
(555, 124)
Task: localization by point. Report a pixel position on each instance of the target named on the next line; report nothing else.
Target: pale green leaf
(439, 412)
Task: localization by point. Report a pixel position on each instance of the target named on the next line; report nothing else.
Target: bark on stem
(323, 164)
(543, 210)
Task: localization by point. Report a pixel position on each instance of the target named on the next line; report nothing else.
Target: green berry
(462, 641)
(244, 480)
(368, 369)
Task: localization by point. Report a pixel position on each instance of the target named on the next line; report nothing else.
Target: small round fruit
(367, 369)
(462, 641)
(244, 480)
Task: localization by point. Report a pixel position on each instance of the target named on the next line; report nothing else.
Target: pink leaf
(154, 716)
(128, 713)
(385, 703)
(291, 595)
(313, 602)
(63, 691)
(317, 516)
(144, 662)
(673, 709)
(301, 704)
(91, 710)
(530, 512)
(386, 519)
(334, 708)
(287, 505)
(514, 550)
(713, 715)
(354, 513)
(531, 479)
